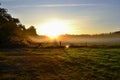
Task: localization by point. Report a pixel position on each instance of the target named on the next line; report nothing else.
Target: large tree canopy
(12, 32)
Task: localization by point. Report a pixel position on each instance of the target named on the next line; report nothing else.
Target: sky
(83, 16)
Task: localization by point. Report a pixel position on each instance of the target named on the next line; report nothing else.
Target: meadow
(82, 63)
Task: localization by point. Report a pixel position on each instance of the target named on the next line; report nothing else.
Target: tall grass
(60, 64)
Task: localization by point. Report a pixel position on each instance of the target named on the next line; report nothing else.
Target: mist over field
(99, 38)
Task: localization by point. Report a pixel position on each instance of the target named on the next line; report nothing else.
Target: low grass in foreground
(60, 64)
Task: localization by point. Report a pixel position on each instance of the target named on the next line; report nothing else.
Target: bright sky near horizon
(82, 16)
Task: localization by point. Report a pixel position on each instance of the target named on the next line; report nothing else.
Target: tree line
(12, 32)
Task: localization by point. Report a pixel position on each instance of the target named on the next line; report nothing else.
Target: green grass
(60, 64)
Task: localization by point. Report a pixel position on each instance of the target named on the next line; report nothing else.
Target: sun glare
(53, 28)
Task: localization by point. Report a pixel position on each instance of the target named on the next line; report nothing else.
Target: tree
(12, 31)
(31, 31)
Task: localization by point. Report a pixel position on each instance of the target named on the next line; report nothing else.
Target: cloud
(5, 0)
(64, 5)
(57, 5)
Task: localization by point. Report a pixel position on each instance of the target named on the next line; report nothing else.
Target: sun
(53, 28)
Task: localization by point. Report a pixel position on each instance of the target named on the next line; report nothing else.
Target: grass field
(60, 64)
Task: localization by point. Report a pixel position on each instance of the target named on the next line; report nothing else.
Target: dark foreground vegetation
(60, 64)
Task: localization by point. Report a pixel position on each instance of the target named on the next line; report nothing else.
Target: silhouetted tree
(12, 32)
(31, 31)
